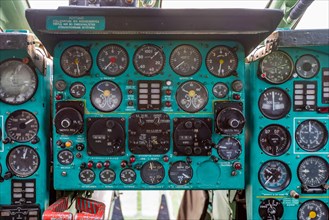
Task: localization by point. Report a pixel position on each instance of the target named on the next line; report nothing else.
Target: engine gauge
(18, 82)
(22, 126)
(185, 60)
(180, 173)
(221, 61)
(313, 171)
(274, 103)
(229, 148)
(313, 209)
(149, 60)
(307, 66)
(87, 176)
(77, 90)
(274, 175)
(128, 176)
(192, 96)
(76, 61)
(311, 135)
(274, 140)
(107, 176)
(112, 60)
(65, 157)
(152, 172)
(220, 90)
(23, 161)
(106, 96)
(270, 209)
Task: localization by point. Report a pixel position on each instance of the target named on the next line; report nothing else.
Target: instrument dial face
(22, 126)
(277, 67)
(307, 66)
(18, 82)
(221, 61)
(128, 176)
(313, 209)
(76, 61)
(65, 157)
(220, 90)
(107, 176)
(274, 103)
(112, 60)
(311, 135)
(274, 175)
(192, 96)
(106, 96)
(270, 209)
(180, 173)
(23, 161)
(87, 176)
(274, 140)
(229, 148)
(77, 90)
(149, 60)
(185, 60)
(152, 172)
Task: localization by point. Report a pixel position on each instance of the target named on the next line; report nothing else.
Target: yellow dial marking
(221, 61)
(107, 93)
(76, 61)
(191, 93)
(312, 214)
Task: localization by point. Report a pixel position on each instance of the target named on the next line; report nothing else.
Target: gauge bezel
(135, 177)
(162, 169)
(77, 83)
(58, 159)
(223, 156)
(221, 83)
(88, 170)
(280, 203)
(180, 161)
(317, 61)
(312, 200)
(107, 169)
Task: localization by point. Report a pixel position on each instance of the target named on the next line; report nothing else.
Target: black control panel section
(149, 95)
(23, 191)
(325, 86)
(305, 95)
(26, 212)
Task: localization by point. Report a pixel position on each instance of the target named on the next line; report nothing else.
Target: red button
(99, 165)
(107, 164)
(59, 96)
(168, 104)
(123, 164)
(237, 166)
(90, 164)
(132, 159)
(165, 158)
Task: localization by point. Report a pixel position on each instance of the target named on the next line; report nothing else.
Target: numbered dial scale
(128, 176)
(107, 176)
(270, 209)
(65, 157)
(221, 61)
(76, 61)
(229, 148)
(313, 209)
(77, 90)
(220, 90)
(185, 60)
(152, 172)
(180, 173)
(106, 96)
(307, 66)
(87, 176)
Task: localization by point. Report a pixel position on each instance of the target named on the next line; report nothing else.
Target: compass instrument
(270, 209)
(180, 173)
(128, 176)
(87, 176)
(107, 176)
(221, 61)
(185, 60)
(152, 172)
(313, 209)
(307, 66)
(112, 60)
(76, 61)
(106, 96)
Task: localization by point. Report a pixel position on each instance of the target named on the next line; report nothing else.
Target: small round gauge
(180, 173)
(192, 96)
(274, 140)
(307, 66)
(149, 60)
(107, 176)
(77, 90)
(87, 176)
(311, 135)
(128, 176)
(76, 61)
(148, 3)
(313, 171)
(229, 148)
(185, 60)
(152, 172)
(18, 82)
(112, 60)
(220, 90)
(221, 61)
(270, 209)
(313, 209)
(65, 157)
(274, 175)
(106, 96)
(274, 103)
(23, 161)
(276, 68)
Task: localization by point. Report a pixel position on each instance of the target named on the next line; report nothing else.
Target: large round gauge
(274, 103)
(112, 60)
(152, 172)
(311, 135)
(313, 171)
(229, 148)
(149, 60)
(313, 210)
(77, 90)
(128, 176)
(220, 90)
(185, 60)
(276, 68)
(107, 176)
(68, 121)
(18, 82)
(274, 140)
(180, 173)
(274, 175)
(23, 161)
(221, 61)
(76, 61)
(270, 209)
(192, 96)
(106, 96)
(307, 66)
(87, 176)
(65, 157)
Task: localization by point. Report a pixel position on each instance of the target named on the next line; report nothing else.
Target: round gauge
(106, 96)
(149, 60)
(221, 61)
(180, 173)
(112, 60)
(148, 3)
(274, 175)
(128, 176)
(23, 161)
(152, 172)
(313, 209)
(220, 90)
(307, 66)
(87, 176)
(18, 82)
(68, 121)
(313, 171)
(107, 176)
(76, 61)
(311, 135)
(276, 68)
(229, 148)
(22, 126)
(65, 157)
(274, 140)
(77, 90)
(274, 103)
(270, 209)
(185, 60)
(192, 96)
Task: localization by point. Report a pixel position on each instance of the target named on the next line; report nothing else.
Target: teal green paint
(83, 23)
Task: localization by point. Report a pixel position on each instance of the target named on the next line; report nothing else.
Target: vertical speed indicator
(221, 61)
